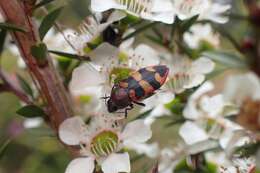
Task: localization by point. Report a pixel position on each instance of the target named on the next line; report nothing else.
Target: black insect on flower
(138, 86)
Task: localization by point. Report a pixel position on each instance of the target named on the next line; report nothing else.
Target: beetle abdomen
(142, 83)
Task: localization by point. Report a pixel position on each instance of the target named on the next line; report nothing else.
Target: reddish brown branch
(58, 102)
(9, 86)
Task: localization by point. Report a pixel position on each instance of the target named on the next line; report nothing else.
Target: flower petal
(136, 131)
(148, 55)
(116, 16)
(32, 122)
(71, 131)
(116, 163)
(240, 87)
(203, 65)
(103, 53)
(83, 77)
(191, 133)
(212, 105)
(150, 150)
(100, 5)
(81, 165)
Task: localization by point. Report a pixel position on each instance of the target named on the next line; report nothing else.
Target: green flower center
(85, 99)
(119, 73)
(93, 44)
(104, 143)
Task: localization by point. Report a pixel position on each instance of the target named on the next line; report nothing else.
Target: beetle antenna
(105, 98)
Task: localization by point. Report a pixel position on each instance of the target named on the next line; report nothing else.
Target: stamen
(104, 143)
(137, 6)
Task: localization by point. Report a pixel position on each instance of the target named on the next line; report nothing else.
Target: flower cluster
(166, 10)
(103, 141)
(205, 114)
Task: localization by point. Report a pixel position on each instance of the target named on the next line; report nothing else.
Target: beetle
(138, 86)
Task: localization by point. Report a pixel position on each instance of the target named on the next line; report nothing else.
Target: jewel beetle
(138, 86)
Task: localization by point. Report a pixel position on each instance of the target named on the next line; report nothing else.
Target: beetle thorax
(119, 99)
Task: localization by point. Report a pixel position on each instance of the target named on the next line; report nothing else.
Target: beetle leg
(131, 106)
(138, 103)
(106, 97)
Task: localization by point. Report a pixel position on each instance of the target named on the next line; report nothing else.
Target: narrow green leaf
(154, 39)
(69, 55)
(185, 26)
(227, 59)
(137, 157)
(143, 115)
(3, 35)
(217, 71)
(31, 111)
(3, 147)
(42, 3)
(175, 122)
(40, 53)
(49, 21)
(139, 30)
(24, 85)
(11, 27)
(227, 35)
(247, 150)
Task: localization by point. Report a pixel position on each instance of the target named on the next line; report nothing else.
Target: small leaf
(12, 27)
(49, 21)
(3, 35)
(72, 56)
(137, 157)
(40, 53)
(139, 30)
(188, 23)
(42, 3)
(227, 59)
(3, 147)
(24, 85)
(154, 39)
(247, 150)
(31, 111)
(144, 115)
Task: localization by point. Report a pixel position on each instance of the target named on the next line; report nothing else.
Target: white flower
(56, 41)
(90, 31)
(101, 141)
(157, 103)
(225, 165)
(185, 73)
(191, 133)
(110, 65)
(169, 159)
(201, 33)
(32, 122)
(206, 9)
(241, 165)
(150, 150)
(202, 109)
(241, 87)
(155, 10)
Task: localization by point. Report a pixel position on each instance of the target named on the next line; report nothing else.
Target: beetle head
(111, 106)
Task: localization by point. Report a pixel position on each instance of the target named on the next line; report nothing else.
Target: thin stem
(9, 86)
(58, 102)
(139, 30)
